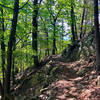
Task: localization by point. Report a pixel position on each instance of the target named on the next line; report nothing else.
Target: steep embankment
(59, 80)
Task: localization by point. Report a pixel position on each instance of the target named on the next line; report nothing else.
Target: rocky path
(76, 81)
(71, 81)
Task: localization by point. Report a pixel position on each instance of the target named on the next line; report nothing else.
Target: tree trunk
(97, 34)
(54, 39)
(83, 16)
(73, 23)
(13, 63)
(13, 67)
(3, 50)
(76, 36)
(10, 49)
(35, 32)
(1, 90)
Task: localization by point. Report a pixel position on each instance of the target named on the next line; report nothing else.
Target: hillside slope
(59, 80)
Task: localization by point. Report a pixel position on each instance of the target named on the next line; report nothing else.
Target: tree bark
(35, 32)
(97, 34)
(74, 34)
(13, 63)
(3, 49)
(83, 16)
(54, 38)
(10, 49)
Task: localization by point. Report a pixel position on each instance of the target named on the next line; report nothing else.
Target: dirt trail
(69, 85)
(71, 81)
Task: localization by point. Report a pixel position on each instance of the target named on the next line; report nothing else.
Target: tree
(82, 22)
(73, 23)
(97, 34)
(54, 15)
(10, 49)
(3, 47)
(35, 31)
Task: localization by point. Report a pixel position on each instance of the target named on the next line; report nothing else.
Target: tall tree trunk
(76, 31)
(3, 49)
(13, 63)
(13, 67)
(73, 23)
(97, 34)
(54, 39)
(35, 32)
(10, 49)
(83, 16)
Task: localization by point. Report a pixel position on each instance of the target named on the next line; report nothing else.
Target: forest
(49, 50)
